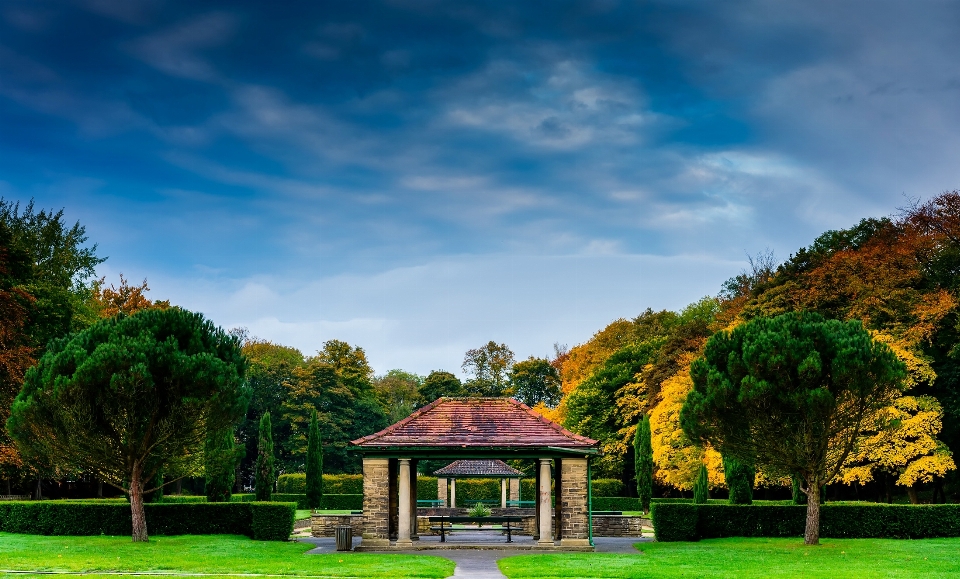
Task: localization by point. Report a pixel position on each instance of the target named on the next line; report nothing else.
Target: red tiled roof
(477, 422)
(494, 468)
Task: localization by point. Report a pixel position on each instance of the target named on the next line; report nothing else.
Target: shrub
(607, 487)
(615, 504)
(181, 499)
(271, 521)
(342, 502)
(690, 522)
(701, 486)
(470, 490)
(427, 488)
(337, 484)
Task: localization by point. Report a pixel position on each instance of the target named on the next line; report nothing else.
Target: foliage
(479, 510)
(439, 384)
(398, 394)
(221, 455)
(740, 478)
(607, 487)
(314, 475)
(535, 381)
(489, 365)
(643, 450)
(701, 486)
(131, 396)
(265, 472)
(795, 391)
(271, 521)
(106, 302)
(332, 483)
(610, 503)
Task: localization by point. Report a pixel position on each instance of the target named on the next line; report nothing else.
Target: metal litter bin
(344, 535)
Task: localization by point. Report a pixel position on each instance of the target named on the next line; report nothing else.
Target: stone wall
(376, 503)
(618, 525)
(322, 525)
(573, 502)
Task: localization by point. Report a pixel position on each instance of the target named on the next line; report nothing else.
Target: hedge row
(262, 521)
(691, 522)
(335, 484)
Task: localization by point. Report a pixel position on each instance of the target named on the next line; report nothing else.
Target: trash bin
(344, 535)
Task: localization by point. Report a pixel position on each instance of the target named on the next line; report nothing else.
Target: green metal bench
(521, 504)
(429, 503)
(503, 521)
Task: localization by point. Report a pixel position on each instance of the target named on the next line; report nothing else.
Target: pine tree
(264, 482)
(314, 465)
(643, 451)
(701, 487)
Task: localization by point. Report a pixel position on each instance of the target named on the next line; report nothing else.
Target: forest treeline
(898, 275)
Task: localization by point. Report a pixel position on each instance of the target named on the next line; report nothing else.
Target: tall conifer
(264, 483)
(643, 452)
(314, 464)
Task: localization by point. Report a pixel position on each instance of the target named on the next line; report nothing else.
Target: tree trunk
(39, 489)
(99, 489)
(136, 507)
(9, 492)
(811, 534)
(912, 493)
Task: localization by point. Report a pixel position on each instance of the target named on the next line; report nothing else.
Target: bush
(427, 488)
(607, 487)
(243, 498)
(690, 522)
(335, 484)
(342, 502)
(299, 498)
(93, 517)
(271, 521)
(616, 504)
(181, 499)
(470, 490)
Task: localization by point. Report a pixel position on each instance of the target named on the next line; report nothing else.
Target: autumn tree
(131, 396)
(535, 381)
(123, 299)
(795, 393)
(489, 367)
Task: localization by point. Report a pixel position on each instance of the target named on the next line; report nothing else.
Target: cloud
(174, 50)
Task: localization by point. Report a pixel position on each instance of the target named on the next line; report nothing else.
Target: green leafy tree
(701, 486)
(439, 384)
(314, 465)
(740, 477)
(265, 473)
(131, 396)
(643, 453)
(489, 366)
(536, 381)
(398, 393)
(221, 455)
(795, 392)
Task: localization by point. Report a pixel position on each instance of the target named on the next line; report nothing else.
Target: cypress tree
(740, 479)
(701, 487)
(314, 465)
(264, 482)
(798, 497)
(643, 452)
(221, 454)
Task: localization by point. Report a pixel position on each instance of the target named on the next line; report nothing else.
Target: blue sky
(420, 177)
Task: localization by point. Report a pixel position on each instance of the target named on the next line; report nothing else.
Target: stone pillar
(503, 493)
(453, 493)
(403, 528)
(514, 489)
(376, 502)
(543, 504)
(442, 491)
(536, 501)
(573, 503)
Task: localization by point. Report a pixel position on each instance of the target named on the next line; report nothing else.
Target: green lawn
(216, 554)
(753, 558)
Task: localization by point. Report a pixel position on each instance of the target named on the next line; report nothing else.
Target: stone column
(514, 489)
(543, 504)
(453, 493)
(503, 493)
(573, 504)
(376, 502)
(442, 491)
(403, 528)
(536, 502)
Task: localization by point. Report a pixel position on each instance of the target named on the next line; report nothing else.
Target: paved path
(482, 564)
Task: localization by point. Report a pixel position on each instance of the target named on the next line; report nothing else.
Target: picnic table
(446, 524)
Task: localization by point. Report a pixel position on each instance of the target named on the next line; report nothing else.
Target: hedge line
(335, 484)
(262, 521)
(691, 522)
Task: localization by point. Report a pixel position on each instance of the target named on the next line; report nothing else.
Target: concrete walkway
(482, 563)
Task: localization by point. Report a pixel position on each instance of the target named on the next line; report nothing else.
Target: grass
(753, 558)
(215, 554)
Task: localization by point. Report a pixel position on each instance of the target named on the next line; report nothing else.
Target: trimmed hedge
(607, 487)
(113, 518)
(427, 488)
(690, 522)
(342, 502)
(335, 484)
(616, 504)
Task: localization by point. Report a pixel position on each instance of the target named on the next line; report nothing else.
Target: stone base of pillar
(573, 543)
(403, 544)
(374, 542)
(546, 543)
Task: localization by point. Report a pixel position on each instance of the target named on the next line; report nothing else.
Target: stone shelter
(509, 477)
(475, 429)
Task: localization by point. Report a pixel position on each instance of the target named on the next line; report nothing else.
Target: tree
(490, 367)
(221, 455)
(701, 487)
(265, 473)
(643, 452)
(398, 393)
(796, 392)
(439, 384)
(740, 477)
(131, 396)
(314, 465)
(535, 381)
(126, 299)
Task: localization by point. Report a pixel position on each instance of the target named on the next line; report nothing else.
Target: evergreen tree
(701, 487)
(221, 455)
(798, 497)
(314, 465)
(740, 477)
(264, 483)
(643, 452)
